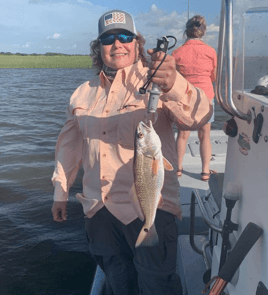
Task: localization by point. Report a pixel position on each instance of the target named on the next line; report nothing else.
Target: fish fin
(161, 202)
(155, 166)
(136, 203)
(147, 238)
(167, 165)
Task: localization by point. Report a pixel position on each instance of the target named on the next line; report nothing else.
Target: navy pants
(130, 270)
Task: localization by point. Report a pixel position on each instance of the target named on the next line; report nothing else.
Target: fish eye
(140, 135)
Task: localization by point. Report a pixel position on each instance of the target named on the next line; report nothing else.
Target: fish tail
(147, 238)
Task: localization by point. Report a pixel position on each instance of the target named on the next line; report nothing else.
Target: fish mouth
(143, 128)
(143, 125)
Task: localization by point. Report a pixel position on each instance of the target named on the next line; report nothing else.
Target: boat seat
(216, 184)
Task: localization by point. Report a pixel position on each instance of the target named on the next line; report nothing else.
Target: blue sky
(68, 26)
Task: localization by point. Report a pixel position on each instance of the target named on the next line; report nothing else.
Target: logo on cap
(114, 18)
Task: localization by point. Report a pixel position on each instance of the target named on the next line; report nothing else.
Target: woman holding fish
(130, 189)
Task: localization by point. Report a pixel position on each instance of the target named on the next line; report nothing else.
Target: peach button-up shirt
(99, 135)
(197, 62)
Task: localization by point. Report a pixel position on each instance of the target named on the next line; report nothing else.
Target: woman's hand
(166, 75)
(59, 211)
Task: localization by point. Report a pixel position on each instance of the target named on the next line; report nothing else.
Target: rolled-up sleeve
(68, 158)
(188, 106)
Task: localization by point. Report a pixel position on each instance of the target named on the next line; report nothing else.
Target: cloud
(54, 23)
(64, 23)
(39, 22)
(54, 36)
(212, 28)
(83, 1)
(27, 45)
(154, 7)
(157, 23)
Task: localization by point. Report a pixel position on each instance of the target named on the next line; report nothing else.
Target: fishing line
(162, 45)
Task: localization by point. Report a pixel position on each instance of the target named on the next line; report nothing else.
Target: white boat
(229, 244)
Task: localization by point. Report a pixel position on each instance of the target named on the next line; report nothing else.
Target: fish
(148, 169)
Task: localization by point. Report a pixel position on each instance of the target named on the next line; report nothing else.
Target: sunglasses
(109, 39)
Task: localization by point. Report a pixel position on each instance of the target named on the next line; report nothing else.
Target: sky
(68, 26)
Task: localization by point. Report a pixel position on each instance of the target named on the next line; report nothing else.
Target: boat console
(235, 208)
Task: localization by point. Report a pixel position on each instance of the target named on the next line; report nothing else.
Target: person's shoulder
(95, 82)
(209, 50)
(177, 50)
(81, 91)
(210, 47)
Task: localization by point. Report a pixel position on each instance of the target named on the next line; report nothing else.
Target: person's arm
(213, 75)
(175, 55)
(187, 106)
(214, 71)
(68, 158)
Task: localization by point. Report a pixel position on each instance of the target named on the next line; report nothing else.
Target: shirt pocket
(130, 115)
(84, 121)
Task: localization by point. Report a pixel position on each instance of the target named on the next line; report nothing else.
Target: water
(39, 256)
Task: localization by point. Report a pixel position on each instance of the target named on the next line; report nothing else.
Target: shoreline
(20, 61)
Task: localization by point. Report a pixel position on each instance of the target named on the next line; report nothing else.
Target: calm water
(37, 255)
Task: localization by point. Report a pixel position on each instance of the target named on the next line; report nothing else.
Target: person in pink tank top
(196, 62)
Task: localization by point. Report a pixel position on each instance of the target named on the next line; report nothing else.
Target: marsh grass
(44, 61)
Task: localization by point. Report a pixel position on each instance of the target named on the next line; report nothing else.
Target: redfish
(148, 168)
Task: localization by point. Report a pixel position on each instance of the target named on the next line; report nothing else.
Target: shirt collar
(194, 40)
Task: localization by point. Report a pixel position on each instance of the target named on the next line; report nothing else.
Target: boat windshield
(251, 57)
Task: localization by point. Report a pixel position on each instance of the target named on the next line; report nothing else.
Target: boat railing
(212, 225)
(226, 42)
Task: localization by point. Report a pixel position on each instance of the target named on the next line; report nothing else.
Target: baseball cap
(116, 19)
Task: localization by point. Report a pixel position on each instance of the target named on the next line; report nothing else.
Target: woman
(197, 62)
(99, 134)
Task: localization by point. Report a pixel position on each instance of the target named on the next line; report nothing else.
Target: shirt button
(104, 155)
(103, 132)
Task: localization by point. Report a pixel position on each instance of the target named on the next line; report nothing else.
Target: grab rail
(208, 221)
(226, 38)
(220, 60)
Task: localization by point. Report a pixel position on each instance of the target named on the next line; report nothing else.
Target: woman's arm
(213, 75)
(214, 71)
(68, 158)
